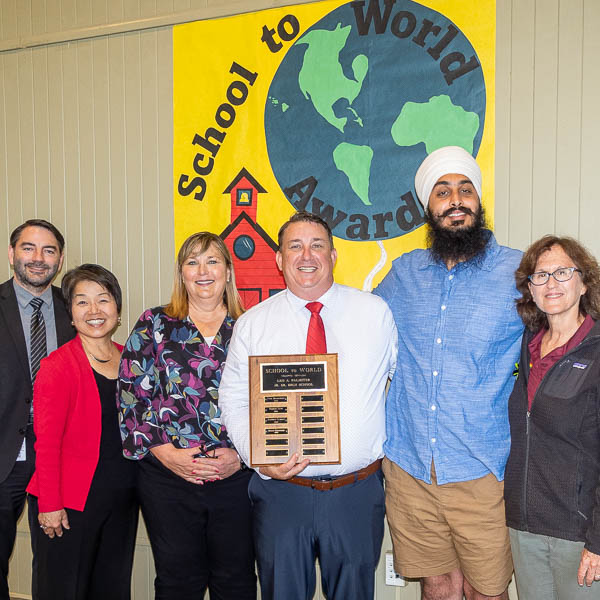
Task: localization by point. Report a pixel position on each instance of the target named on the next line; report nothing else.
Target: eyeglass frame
(572, 269)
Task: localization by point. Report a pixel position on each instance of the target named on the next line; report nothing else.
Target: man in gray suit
(33, 323)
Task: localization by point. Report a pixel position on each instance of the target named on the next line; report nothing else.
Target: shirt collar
(535, 345)
(24, 296)
(484, 261)
(326, 299)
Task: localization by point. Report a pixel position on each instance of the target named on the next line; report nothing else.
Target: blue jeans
(546, 568)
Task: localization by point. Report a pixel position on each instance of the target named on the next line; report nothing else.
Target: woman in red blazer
(82, 488)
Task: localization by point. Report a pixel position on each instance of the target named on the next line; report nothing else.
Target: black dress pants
(94, 558)
(12, 501)
(201, 535)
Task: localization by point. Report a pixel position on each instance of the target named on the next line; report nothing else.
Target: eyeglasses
(561, 274)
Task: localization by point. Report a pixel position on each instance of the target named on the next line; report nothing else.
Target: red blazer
(67, 425)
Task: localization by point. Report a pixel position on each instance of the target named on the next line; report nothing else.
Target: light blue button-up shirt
(458, 341)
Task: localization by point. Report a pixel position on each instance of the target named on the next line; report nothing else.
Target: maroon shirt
(539, 366)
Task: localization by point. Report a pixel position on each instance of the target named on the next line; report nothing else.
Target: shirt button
(443, 307)
(433, 440)
(433, 407)
(435, 373)
(23, 430)
(439, 340)
(450, 277)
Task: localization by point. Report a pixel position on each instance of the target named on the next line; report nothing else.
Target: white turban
(450, 159)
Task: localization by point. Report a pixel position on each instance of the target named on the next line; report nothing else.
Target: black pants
(12, 501)
(201, 535)
(94, 558)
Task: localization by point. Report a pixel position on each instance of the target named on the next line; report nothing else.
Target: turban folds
(450, 159)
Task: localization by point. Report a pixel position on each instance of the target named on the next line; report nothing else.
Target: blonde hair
(200, 242)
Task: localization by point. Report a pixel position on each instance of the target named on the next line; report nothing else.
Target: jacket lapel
(64, 329)
(9, 309)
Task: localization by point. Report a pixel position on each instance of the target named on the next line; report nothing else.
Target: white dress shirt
(359, 327)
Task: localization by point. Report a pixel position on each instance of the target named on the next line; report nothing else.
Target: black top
(113, 469)
(552, 479)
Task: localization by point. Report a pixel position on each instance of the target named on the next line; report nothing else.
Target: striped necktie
(315, 338)
(37, 337)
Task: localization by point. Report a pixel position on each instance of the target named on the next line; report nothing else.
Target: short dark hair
(16, 234)
(589, 304)
(90, 272)
(306, 217)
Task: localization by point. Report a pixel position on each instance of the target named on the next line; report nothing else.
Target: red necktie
(315, 339)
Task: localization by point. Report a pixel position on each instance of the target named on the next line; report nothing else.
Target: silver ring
(42, 527)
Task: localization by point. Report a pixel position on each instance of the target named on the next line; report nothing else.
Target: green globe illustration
(357, 103)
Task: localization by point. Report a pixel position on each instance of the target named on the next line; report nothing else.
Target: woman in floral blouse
(192, 484)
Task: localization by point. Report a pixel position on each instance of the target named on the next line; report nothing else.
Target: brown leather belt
(327, 482)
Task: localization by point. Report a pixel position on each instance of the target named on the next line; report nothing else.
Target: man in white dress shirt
(304, 511)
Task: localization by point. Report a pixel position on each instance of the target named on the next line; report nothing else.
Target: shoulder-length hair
(200, 242)
(532, 316)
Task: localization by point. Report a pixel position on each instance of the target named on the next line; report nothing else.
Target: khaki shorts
(438, 528)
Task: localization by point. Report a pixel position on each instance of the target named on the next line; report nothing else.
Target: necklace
(99, 359)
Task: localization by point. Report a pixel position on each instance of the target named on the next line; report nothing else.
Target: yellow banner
(328, 107)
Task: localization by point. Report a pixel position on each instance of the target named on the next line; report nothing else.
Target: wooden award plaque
(294, 407)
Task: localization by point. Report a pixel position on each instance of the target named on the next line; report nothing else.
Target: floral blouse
(168, 385)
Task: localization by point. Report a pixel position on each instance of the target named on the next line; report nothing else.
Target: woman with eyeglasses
(552, 480)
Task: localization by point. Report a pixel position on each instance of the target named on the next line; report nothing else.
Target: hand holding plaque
(294, 408)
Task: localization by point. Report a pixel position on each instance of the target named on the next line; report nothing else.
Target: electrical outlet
(391, 577)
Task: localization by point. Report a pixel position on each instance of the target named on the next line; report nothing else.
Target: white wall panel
(589, 207)
(41, 128)
(503, 125)
(521, 122)
(547, 99)
(545, 91)
(4, 214)
(568, 117)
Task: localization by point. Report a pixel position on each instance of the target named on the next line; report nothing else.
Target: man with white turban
(446, 415)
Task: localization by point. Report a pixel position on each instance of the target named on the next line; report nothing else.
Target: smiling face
(558, 297)
(306, 259)
(453, 201)
(204, 275)
(93, 310)
(36, 258)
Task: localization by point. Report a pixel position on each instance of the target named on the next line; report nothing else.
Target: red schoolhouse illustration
(253, 251)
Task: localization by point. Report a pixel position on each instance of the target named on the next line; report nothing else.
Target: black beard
(456, 244)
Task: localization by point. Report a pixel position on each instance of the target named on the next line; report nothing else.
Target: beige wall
(86, 141)
(547, 121)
